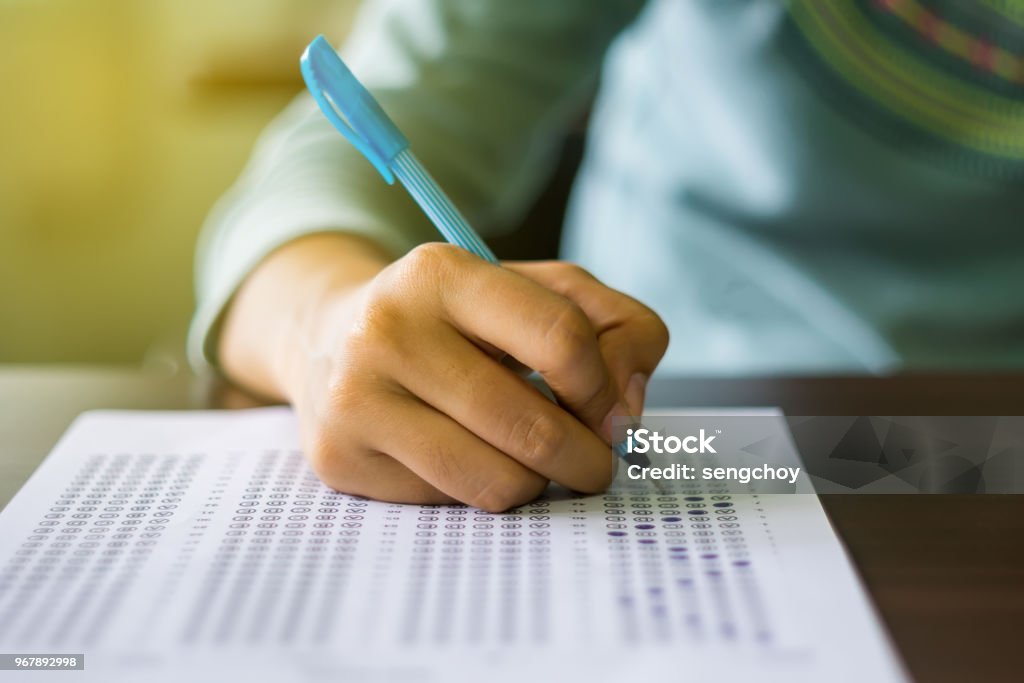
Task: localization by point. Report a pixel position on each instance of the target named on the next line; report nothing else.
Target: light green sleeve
(483, 89)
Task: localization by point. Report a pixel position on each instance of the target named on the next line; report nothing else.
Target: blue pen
(356, 114)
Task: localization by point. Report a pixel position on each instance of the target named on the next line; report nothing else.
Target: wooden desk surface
(945, 572)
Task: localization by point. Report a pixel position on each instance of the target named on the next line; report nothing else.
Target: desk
(945, 572)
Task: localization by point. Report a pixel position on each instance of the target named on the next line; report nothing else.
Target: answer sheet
(199, 544)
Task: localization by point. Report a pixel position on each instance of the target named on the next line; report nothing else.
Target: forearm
(275, 314)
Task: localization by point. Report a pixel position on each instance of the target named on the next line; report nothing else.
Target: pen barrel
(438, 207)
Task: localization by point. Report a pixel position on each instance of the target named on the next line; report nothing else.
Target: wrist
(307, 346)
(289, 306)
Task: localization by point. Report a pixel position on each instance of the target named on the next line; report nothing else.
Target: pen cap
(350, 107)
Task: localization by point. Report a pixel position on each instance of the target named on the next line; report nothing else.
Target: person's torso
(827, 185)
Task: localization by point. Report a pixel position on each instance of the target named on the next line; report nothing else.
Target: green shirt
(795, 187)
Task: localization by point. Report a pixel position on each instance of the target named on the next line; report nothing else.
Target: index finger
(540, 328)
(632, 337)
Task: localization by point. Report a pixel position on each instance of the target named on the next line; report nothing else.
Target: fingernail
(636, 390)
(618, 410)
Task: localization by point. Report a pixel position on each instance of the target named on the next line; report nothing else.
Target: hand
(398, 384)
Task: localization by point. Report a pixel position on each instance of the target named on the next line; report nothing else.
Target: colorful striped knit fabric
(940, 79)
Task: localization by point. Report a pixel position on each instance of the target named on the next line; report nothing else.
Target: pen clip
(350, 107)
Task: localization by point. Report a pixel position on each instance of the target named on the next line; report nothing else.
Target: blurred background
(121, 123)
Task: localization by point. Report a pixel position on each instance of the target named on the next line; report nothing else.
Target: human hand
(401, 392)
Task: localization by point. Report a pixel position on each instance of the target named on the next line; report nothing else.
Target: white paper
(165, 545)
